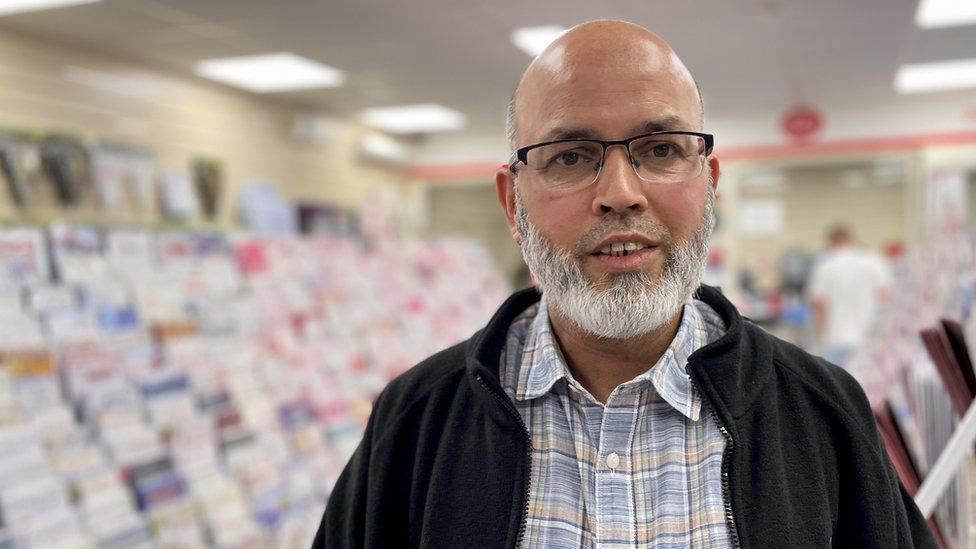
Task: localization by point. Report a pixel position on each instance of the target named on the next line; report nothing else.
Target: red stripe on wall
(443, 172)
(486, 170)
(848, 146)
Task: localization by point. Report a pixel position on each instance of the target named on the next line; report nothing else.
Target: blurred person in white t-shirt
(846, 288)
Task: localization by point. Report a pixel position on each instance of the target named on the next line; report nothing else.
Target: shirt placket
(614, 475)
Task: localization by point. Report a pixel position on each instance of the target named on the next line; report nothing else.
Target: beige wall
(471, 209)
(813, 199)
(45, 87)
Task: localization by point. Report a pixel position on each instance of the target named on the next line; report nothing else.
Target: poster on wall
(176, 191)
(141, 178)
(123, 178)
(107, 173)
(265, 211)
(947, 200)
(761, 216)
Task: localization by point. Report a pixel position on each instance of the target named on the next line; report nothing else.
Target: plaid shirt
(643, 470)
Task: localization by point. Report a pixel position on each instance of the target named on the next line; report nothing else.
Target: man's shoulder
(437, 381)
(436, 373)
(828, 384)
(831, 263)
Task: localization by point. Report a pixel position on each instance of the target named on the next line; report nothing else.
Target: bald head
(593, 63)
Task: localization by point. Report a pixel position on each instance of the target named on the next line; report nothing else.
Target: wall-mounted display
(208, 178)
(176, 191)
(66, 161)
(20, 161)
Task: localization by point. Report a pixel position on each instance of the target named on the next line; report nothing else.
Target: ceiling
(749, 56)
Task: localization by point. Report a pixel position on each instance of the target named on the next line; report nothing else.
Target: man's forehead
(609, 83)
(585, 68)
(562, 110)
(555, 130)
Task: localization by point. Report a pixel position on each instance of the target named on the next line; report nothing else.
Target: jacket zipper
(729, 446)
(528, 439)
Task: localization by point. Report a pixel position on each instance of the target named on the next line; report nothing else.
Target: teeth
(622, 248)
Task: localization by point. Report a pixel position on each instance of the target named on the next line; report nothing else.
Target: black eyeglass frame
(522, 154)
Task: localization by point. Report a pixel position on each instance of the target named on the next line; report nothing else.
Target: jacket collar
(730, 371)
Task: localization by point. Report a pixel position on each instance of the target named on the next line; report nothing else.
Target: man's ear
(505, 190)
(716, 171)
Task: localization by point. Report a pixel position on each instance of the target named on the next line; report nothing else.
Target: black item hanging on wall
(208, 179)
(66, 163)
(20, 161)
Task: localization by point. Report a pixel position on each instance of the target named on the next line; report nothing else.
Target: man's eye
(661, 150)
(568, 158)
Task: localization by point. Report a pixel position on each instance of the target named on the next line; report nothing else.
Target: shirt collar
(670, 375)
(543, 363)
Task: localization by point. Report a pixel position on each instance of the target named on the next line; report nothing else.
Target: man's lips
(633, 260)
(628, 242)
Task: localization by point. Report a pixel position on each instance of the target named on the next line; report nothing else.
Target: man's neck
(599, 364)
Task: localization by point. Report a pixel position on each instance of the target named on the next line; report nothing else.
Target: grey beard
(632, 304)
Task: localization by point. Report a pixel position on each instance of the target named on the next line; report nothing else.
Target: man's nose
(618, 189)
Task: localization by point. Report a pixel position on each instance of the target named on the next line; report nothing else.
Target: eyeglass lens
(666, 158)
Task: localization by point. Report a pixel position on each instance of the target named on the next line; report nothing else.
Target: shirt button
(613, 460)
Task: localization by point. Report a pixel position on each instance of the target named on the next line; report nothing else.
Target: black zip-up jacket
(445, 458)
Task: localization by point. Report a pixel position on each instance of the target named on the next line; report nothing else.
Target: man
(618, 410)
(846, 288)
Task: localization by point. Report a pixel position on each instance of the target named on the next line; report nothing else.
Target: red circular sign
(802, 121)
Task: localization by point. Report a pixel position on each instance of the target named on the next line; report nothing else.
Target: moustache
(647, 228)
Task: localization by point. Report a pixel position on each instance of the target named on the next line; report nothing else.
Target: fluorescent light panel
(938, 76)
(273, 72)
(383, 146)
(422, 118)
(532, 40)
(932, 14)
(10, 7)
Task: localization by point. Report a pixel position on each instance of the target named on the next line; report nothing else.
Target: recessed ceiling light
(10, 7)
(532, 40)
(273, 72)
(414, 118)
(933, 14)
(938, 76)
(383, 147)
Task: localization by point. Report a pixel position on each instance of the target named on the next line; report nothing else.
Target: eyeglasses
(659, 157)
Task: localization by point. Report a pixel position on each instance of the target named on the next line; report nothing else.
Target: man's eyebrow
(667, 123)
(557, 134)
